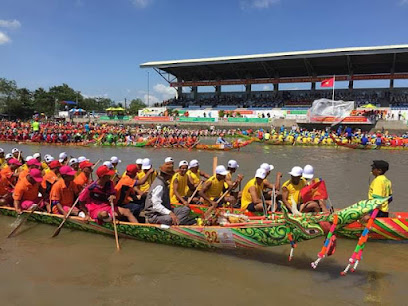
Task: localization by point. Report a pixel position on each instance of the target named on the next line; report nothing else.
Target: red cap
(103, 170)
(33, 162)
(54, 164)
(67, 170)
(132, 169)
(14, 161)
(85, 164)
(36, 175)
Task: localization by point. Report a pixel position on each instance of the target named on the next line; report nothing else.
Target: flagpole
(334, 82)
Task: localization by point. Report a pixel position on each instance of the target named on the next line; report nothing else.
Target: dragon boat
(395, 227)
(221, 147)
(370, 146)
(247, 234)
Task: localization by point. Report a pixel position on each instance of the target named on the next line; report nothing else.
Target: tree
(135, 106)
(65, 93)
(44, 102)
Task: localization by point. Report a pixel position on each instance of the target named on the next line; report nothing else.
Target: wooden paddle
(23, 219)
(196, 143)
(114, 225)
(215, 162)
(57, 231)
(194, 193)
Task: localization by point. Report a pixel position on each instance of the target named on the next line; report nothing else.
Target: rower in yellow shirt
(146, 170)
(180, 185)
(252, 194)
(381, 186)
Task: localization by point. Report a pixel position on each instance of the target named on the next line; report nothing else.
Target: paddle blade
(56, 233)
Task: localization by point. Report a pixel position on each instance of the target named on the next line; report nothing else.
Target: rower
(25, 194)
(148, 170)
(2, 159)
(315, 205)
(126, 195)
(232, 167)
(49, 179)
(213, 188)
(380, 187)
(17, 154)
(139, 163)
(221, 140)
(180, 184)
(291, 188)
(63, 158)
(157, 208)
(169, 160)
(64, 192)
(84, 175)
(252, 194)
(9, 171)
(96, 198)
(31, 163)
(268, 185)
(74, 164)
(115, 161)
(195, 174)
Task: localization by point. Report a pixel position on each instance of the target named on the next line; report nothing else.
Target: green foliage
(22, 103)
(221, 113)
(135, 106)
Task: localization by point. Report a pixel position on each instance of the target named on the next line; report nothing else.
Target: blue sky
(96, 46)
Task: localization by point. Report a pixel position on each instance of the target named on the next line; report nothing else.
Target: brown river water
(81, 268)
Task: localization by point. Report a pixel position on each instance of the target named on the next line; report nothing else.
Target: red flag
(327, 83)
(315, 191)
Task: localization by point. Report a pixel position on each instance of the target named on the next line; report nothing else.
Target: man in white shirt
(157, 206)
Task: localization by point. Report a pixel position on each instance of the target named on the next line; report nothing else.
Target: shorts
(382, 214)
(251, 207)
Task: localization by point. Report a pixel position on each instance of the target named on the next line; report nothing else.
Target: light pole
(148, 88)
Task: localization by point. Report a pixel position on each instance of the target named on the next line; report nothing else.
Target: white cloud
(149, 100)
(257, 4)
(266, 88)
(10, 24)
(166, 92)
(4, 38)
(141, 3)
(403, 2)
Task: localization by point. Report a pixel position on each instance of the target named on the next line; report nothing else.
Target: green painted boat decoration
(252, 234)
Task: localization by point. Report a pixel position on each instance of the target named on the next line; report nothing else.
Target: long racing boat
(247, 234)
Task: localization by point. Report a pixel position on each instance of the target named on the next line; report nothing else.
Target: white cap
(193, 163)
(308, 172)
(62, 157)
(260, 173)
(28, 158)
(267, 167)
(296, 171)
(169, 160)
(221, 170)
(9, 155)
(36, 155)
(139, 161)
(183, 163)
(82, 159)
(72, 161)
(146, 164)
(115, 160)
(46, 155)
(108, 164)
(48, 159)
(233, 164)
(1, 150)
(14, 150)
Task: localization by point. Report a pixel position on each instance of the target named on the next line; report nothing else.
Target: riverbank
(392, 126)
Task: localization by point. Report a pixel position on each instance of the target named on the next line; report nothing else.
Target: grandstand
(347, 64)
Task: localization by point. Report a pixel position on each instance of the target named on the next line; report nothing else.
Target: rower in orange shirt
(64, 192)
(10, 171)
(83, 177)
(50, 177)
(25, 194)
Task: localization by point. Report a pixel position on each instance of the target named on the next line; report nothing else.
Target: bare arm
(203, 195)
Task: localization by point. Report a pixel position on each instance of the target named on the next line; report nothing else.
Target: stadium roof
(302, 65)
